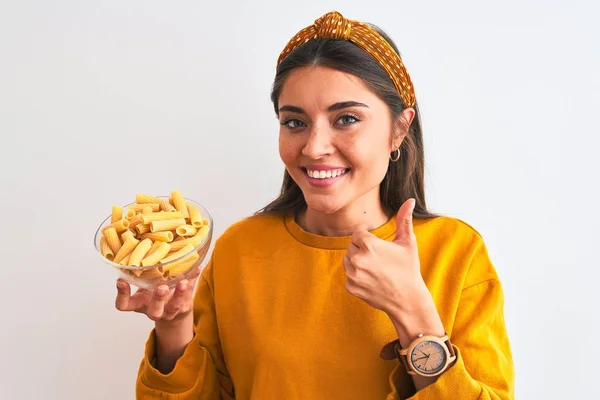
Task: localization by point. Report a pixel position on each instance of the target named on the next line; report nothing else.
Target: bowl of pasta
(156, 240)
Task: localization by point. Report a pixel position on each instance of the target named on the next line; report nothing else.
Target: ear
(401, 126)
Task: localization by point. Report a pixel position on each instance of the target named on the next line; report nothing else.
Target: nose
(318, 144)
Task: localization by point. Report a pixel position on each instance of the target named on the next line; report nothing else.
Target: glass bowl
(169, 273)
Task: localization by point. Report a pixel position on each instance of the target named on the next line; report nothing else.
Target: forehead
(318, 86)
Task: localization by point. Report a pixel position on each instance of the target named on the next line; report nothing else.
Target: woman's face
(335, 138)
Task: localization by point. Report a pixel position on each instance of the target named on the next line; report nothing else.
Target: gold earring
(394, 159)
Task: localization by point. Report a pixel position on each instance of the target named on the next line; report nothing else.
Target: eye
(348, 119)
(292, 123)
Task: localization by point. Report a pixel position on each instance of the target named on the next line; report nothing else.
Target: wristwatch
(426, 356)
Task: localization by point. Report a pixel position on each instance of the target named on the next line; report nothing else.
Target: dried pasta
(179, 203)
(186, 230)
(195, 217)
(156, 232)
(166, 206)
(161, 216)
(165, 236)
(120, 226)
(161, 251)
(106, 250)
(139, 252)
(112, 239)
(166, 225)
(126, 249)
(117, 214)
(146, 198)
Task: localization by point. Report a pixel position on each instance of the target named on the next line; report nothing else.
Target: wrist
(175, 327)
(417, 315)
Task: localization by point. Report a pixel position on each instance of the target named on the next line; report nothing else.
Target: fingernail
(120, 285)
(183, 285)
(161, 290)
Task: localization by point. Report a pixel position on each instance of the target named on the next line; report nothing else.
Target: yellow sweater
(274, 321)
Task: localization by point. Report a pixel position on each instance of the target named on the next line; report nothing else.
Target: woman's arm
(172, 338)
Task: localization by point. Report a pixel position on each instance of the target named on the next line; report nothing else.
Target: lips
(324, 174)
(324, 177)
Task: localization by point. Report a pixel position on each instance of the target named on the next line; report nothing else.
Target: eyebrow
(334, 107)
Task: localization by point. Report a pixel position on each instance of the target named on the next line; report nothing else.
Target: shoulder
(448, 228)
(458, 245)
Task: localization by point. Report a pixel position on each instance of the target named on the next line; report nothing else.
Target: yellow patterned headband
(334, 26)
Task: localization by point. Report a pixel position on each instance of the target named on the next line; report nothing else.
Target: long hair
(404, 179)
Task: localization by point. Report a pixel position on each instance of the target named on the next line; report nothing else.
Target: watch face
(428, 357)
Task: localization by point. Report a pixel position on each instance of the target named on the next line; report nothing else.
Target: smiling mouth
(324, 175)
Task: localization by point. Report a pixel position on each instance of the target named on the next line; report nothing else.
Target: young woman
(344, 287)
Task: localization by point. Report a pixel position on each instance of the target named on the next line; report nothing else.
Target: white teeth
(325, 174)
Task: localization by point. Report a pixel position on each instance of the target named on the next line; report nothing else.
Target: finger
(122, 302)
(361, 238)
(348, 267)
(157, 304)
(352, 250)
(192, 278)
(404, 222)
(180, 300)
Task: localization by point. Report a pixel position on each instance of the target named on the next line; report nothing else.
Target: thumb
(404, 222)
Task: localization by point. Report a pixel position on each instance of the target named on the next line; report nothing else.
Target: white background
(103, 99)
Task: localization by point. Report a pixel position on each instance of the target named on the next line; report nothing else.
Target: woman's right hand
(161, 304)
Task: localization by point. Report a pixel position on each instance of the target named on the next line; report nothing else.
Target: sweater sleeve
(484, 367)
(200, 373)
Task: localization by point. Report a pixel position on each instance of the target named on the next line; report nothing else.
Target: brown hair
(405, 178)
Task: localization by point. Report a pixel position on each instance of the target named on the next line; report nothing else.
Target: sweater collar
(385, 231)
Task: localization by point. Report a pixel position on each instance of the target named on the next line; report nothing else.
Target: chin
(324, 205)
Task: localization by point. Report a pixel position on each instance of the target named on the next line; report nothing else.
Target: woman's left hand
(387, 275)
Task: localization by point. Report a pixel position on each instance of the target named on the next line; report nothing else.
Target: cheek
(288, 151)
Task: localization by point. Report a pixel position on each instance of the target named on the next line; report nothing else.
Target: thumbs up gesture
(386, 274)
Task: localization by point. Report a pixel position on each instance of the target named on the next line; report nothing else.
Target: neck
(345, 221)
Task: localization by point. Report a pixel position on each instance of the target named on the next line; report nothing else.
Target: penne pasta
(166, 225)
(105, 249)
(146, 211)
(166, 206)
(205, 221)
(112, 239)
(139, 252)
(142, 198)
(186, 230)
(165, 236)
(126, 235)
(194, 241)
(181, 266)
(179, 253)
(125, 261)
(179, 203)
(138, 207)
(155, 246)
(161, 216)
(142, 228)
(151, 273)
(195, 217)
(120, 226)
(117, 214)
(161, 252)
(133, 222)
(126, 249)
(202, 233)
(130, 214)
